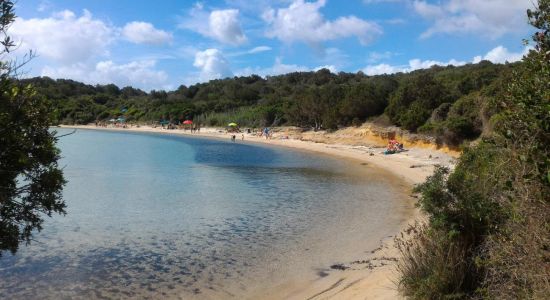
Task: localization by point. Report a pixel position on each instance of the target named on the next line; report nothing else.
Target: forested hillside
(450, 102)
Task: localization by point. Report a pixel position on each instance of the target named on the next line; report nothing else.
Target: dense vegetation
(488, 234)
(30, 178)
(451, 102)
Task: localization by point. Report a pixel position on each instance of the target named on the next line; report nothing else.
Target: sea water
(164, 216)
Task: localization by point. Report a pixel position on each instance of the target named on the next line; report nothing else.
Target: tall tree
(30, 178)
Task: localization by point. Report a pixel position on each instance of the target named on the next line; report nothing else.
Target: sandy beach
(374, 276)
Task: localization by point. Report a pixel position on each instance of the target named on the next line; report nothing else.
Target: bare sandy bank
(373, 277)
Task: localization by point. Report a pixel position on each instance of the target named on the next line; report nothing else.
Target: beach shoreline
(375, 276)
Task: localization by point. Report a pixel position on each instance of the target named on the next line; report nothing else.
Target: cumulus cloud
(221, 25)
(303, 22)
(336, 58)
(378, 56)
(492, 18)
(145, 33)
(414, 64)
(225, 26)
(331, 68)
(428, 10)
(64, 37)
(77, 47)
(382, 69)
(277, 68)
(281, 68)
(498, 55)
(140, 74)
(212, 65)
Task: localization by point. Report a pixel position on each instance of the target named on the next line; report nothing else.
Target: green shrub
(488, 230)
(415, 99)
(434, 266)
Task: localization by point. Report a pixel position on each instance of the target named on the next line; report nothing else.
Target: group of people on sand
(234, 137)
(394, 147)
(171, 126)
(113, 124)
(266, 132)
(193, 129)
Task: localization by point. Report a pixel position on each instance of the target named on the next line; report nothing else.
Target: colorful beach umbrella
(187, 122)
(232, 125)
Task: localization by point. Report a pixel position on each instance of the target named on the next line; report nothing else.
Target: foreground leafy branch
(30, 179)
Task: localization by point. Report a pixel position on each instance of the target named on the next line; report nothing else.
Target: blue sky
(163, 44)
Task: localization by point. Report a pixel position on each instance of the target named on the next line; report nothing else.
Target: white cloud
(280, 68)
(427, 10)
(44, 5)
(256, 6)
(491, 18)
(336, 58)
(378, 56)
(221, 25)
(141, 74)
(500, 55)
(381, 1)
(145, 33)
(254, 50)
(77, 47)
(259, 49)
(64, 37)
(277, 68)
(382, 69)
(302, 21)
(212, 65)
(331, 68)
(414, 64)
(225, 27)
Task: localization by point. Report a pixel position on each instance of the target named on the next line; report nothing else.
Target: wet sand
(372, 276)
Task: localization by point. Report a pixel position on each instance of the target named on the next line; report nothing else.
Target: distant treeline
(449, 102)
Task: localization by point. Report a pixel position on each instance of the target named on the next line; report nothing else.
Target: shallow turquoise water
(169, 216)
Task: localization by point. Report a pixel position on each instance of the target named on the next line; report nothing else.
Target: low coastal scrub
(488, 228)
